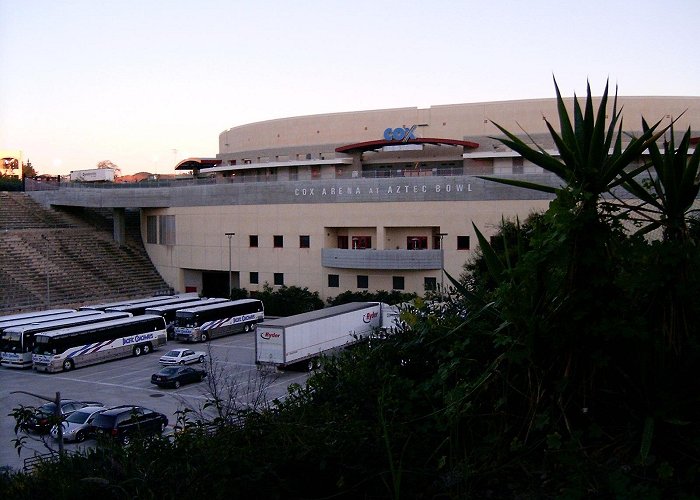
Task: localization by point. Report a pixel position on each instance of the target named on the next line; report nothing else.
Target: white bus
(154, 298)
(32, 317)
(17, 343)
(139, 308)
(168, 311)
(199, 324)
(84, 345)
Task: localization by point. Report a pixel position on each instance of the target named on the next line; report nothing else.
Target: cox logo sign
(399, 134)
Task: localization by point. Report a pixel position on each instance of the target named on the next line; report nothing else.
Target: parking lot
(128, 381)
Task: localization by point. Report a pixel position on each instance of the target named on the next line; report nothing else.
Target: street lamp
(57, 413)
(230, 284)
(442, 265)
(46, 268)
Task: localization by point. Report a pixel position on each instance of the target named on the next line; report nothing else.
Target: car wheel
(146, 348)
(201, 359)
(80, 436)
(162, 427)
(137, 350)
(205, 337)
(177, 384)
(182, 362)
(68, 365)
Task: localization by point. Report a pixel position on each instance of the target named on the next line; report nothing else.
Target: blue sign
(403, 134)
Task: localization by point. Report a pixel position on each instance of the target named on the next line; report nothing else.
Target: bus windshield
(186, 320)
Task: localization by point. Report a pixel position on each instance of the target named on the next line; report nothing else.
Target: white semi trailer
(301, 338)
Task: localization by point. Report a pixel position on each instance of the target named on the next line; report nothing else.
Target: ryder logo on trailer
(269, 335)
(370, 316)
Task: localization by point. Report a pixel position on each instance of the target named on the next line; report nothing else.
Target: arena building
(369, 200)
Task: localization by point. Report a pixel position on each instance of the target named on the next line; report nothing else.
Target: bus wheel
(205, 337)
(68, 365)
(146, 348)
(137, 350)
(246, 328)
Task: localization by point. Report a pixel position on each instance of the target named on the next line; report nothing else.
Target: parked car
(78, 425)
(182, 356)
(126, 422)
(175, 376)
(43, 417)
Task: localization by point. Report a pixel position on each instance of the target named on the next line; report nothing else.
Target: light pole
(58, 414)
(442, 266)
(230, 284)
(46, 268)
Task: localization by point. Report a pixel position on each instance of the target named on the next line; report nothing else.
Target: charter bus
(168, 311)
(199, 324)
(84, 345)
(31, 317)
(154, 298)
(17, 343)
(139, 308)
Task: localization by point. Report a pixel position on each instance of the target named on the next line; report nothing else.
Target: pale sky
(146, 83)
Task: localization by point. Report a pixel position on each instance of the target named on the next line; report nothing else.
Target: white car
(77, 426)
(182, 356)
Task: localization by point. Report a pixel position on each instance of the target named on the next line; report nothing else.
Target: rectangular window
(253, 241)
(436, 243)
(462, 242)
(429, 283)
(293, 173)
(398, 282)
(166, 229)
(152, 229)
(279, 279)
(278, 241)
(333, 280)
(253, 278)
(417, 242)
(343, 242)
(304, 241)
(362, 281)
(361, 242)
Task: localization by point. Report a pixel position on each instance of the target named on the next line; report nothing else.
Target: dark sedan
(175, 376)
(44, 417)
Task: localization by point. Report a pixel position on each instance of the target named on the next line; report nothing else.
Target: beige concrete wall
(202, 245)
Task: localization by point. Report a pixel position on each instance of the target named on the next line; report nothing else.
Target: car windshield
(174, 354)
(78, 417)
(172, 370)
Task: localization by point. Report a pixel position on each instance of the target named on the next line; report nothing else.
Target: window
(152, 229)
(343, 242)
(361, 242)
(429, 283)
(362, 281)
(417, 242)
(462, 242)
(253, 278)
(278, 241)
(333, 280)
(166, 228)
(304, 241)
(253, 240)
(398, 282)
(279, 279)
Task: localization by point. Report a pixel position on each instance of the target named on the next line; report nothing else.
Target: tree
(109, 164)
(28, 170)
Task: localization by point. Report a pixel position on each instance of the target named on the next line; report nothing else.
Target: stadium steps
(84, 264)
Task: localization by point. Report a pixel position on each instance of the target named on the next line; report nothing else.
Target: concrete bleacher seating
(50, 258)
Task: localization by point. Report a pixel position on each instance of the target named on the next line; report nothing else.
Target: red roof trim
(196, 163)
(372, 145)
